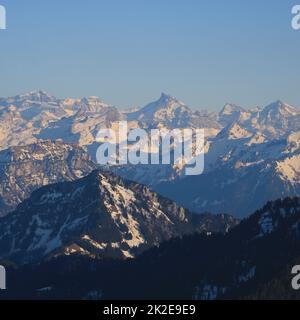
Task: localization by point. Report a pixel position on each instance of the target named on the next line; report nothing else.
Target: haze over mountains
(248, 150)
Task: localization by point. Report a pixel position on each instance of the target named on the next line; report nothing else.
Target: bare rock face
(25, 169)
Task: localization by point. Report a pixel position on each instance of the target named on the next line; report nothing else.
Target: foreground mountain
(25, 169)
(100, 215)
(253, 260)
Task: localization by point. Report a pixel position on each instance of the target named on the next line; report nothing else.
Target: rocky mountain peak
(229, 114)
(92, 104)
(230, 108)
(164, 102)
(167, 98)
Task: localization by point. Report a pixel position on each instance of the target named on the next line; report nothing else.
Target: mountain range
(248, 150)
(252, 161)
(70, 228)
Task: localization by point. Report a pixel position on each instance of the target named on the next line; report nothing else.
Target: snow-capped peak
(166, 111)
(280, 108)
(36, 96)
(230, 108)
(164, 102)
(229, 114)
(92, 104)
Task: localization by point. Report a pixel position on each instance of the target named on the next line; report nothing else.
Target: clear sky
(204, 52)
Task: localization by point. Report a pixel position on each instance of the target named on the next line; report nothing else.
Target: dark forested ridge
(252, 261)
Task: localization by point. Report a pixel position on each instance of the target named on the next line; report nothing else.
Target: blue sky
(127, 52)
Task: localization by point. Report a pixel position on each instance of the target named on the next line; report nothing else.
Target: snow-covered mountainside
(271, 122)
(24, 169)
(99, 215)
(36, 116)
(239, 178)
(251, 161)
